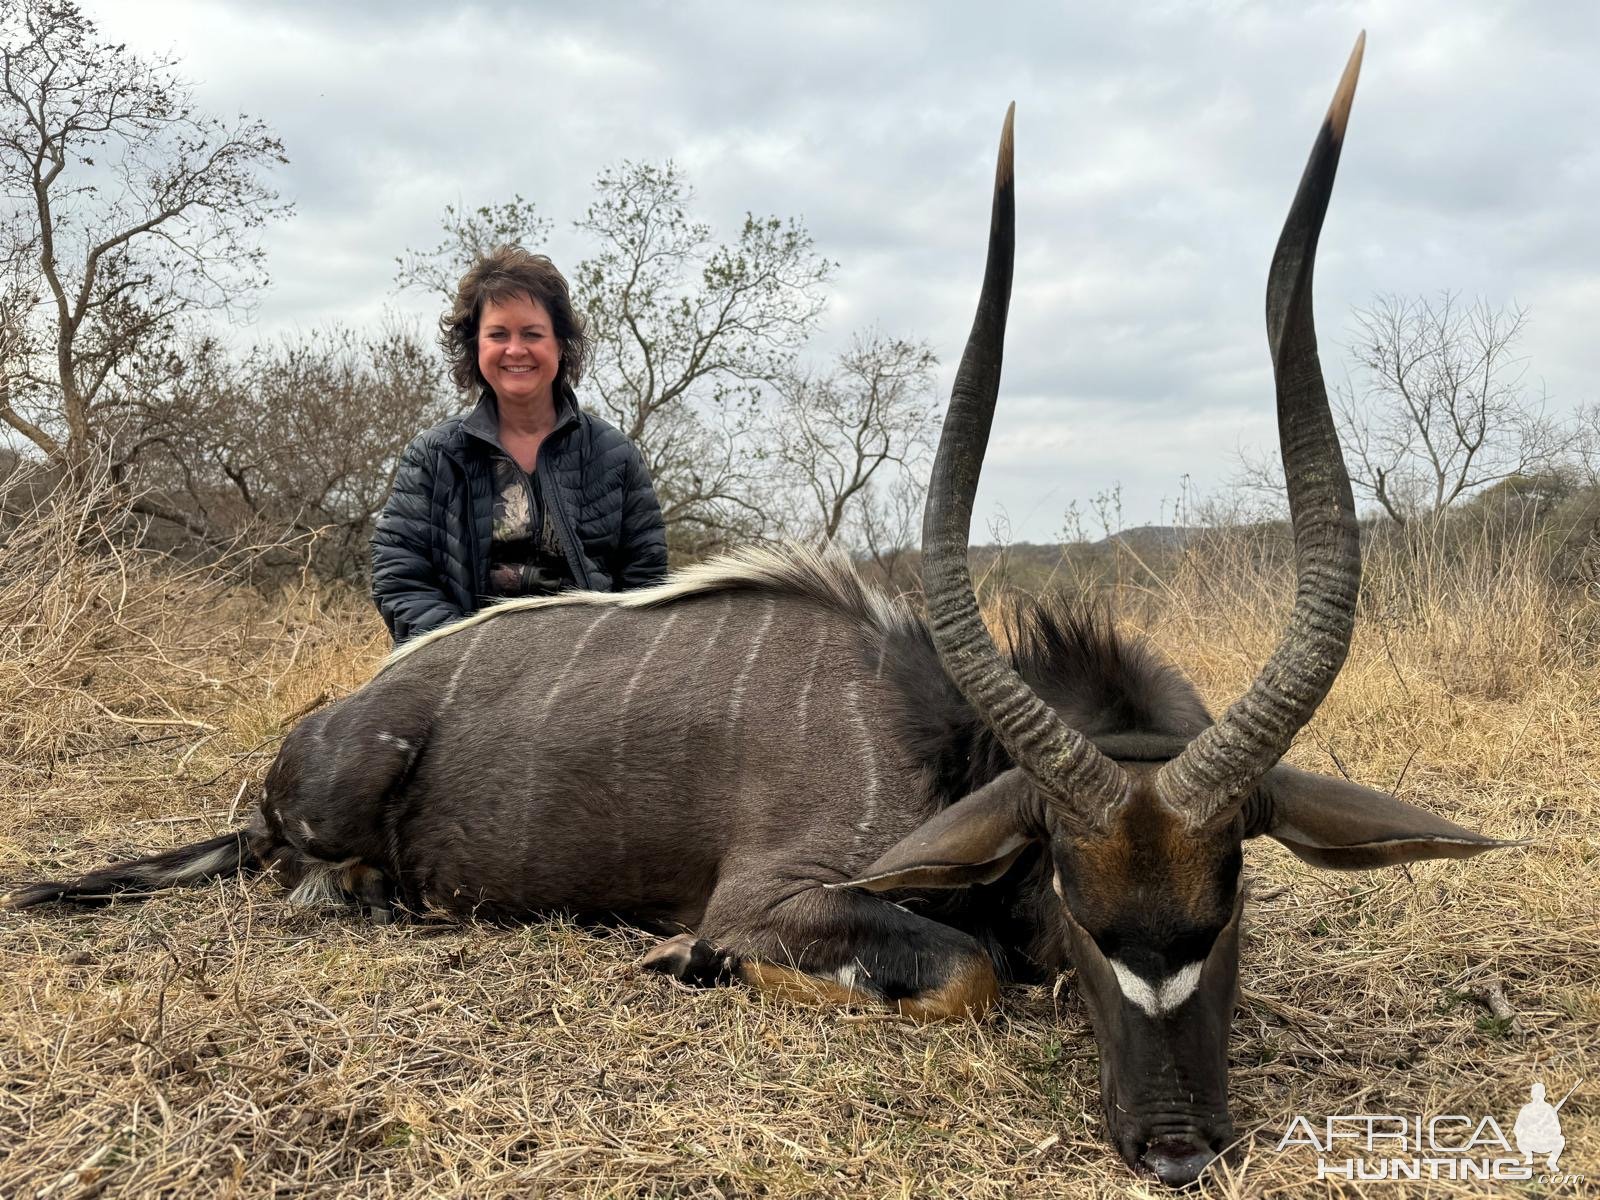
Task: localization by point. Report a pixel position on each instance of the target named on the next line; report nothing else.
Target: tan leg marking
(968, 994)
(786, 983)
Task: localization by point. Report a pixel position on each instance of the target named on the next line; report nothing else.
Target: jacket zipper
(564, 533)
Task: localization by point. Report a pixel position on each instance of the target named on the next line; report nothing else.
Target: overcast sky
(1158, 145)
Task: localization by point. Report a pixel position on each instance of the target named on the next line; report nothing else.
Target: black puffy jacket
(430, 551)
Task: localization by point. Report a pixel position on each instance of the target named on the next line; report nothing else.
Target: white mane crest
(827, 576)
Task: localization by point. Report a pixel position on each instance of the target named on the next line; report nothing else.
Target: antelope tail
(229, 854)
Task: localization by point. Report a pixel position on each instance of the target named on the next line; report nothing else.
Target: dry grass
(216, 1042)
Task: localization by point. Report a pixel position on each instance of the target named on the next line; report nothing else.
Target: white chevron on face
(1163, 997)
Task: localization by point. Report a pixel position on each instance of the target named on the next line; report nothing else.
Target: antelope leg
(800, 941)
(692, 960)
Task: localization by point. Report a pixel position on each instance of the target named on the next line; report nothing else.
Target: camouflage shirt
(525, 555)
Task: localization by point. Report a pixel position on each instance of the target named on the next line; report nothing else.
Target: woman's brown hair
(503, 273)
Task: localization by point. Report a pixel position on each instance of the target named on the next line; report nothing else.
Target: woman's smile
(518, 352)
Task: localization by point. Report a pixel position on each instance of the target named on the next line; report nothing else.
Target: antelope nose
(1176, 1162)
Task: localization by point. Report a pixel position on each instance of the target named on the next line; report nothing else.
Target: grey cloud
(1158, 146)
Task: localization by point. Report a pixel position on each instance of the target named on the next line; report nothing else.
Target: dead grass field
(217, 1043)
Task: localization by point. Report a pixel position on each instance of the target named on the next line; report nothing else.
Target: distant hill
(1131, 554)
(1150, 538)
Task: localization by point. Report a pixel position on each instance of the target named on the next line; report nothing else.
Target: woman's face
(518, 353)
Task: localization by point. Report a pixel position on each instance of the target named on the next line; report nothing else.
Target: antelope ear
(973, 841)
(1342, 825)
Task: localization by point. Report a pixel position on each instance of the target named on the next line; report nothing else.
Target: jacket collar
(483, 422)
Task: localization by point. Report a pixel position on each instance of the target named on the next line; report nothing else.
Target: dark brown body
(714, 756)
(590, 757)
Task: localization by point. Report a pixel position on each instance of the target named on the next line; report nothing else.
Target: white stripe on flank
(638, 671)
(676, 757)
(566, 668)
(736, 697)
(869, 808)
(715, 640)
(1163, 997)
(455, 676)
(803, 705)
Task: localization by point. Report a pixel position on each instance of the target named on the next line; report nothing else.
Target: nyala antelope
(822, 795)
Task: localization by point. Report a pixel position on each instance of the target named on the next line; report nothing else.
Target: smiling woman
(527, 494)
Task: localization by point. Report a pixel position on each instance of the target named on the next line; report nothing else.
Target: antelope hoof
(370, 890)
(692, 960)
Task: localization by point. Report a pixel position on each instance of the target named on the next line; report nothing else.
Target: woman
(526, 494)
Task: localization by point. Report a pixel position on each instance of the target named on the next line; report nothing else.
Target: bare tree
(887, 525)
(1586, 444)
(688, 331)
(17, 300)
(835, 434)
(301, 436)
(1440, 408)
(126, 208)
(467, 236)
